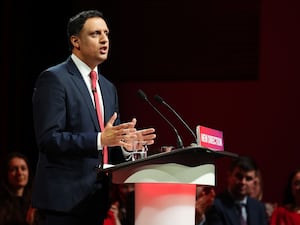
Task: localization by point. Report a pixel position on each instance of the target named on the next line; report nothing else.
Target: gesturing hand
(118, 135)
(125, 134)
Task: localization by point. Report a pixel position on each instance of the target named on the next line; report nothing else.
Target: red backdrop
(259, 118)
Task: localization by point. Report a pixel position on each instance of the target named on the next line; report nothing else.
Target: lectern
(165, 183)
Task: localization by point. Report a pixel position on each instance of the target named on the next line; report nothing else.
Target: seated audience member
(112, 216)
(122, 205)
(233, 206)
(289, 212)
(15, 191)
(204, 198)
(256, 191)
(126, 204)
(129, 206)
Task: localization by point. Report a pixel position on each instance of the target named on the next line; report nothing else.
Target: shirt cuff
(125, 152)
(99, 144)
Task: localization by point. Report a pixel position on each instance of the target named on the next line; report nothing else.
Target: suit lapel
(79, 82)
(233, 216)
(251, 214)
(231, 210)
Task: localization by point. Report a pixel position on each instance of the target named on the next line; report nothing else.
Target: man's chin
(103, 56)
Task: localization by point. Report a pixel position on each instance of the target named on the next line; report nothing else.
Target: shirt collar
(243, 201)
(83, 68)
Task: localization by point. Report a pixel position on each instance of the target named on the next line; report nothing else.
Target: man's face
(240, 181)
(92, 43)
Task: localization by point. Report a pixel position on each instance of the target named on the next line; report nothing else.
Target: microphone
(161, 101)
(143, 96)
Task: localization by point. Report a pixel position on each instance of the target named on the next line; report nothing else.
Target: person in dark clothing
(233, 206)
(15, 191)
(78, 129)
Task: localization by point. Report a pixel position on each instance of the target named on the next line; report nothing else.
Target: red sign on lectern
(210, 138)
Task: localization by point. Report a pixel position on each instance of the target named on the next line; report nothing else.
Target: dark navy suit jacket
(224, 211)
(66, 129)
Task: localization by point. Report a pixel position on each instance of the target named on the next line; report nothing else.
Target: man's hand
(119, 135)
(125, 134)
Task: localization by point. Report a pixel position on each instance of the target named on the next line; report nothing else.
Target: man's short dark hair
(244, 163)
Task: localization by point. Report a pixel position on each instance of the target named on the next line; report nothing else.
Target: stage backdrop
(229, 65)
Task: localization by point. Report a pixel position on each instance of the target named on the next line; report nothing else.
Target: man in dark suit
(233, 206)
(67, 188)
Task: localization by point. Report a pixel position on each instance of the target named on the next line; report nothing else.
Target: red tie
(93, 76)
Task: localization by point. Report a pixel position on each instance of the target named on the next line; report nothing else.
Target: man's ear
(75, 41)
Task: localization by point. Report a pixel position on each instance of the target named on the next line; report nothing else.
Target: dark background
(229, 65)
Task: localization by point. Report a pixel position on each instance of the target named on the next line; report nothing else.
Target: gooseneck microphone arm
(161, 101)
(143, 96)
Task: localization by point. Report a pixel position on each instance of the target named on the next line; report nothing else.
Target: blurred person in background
(234, 206)
(15, 191)
(122, 205)
(288, 213)
(205, 196)
(256, 191)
